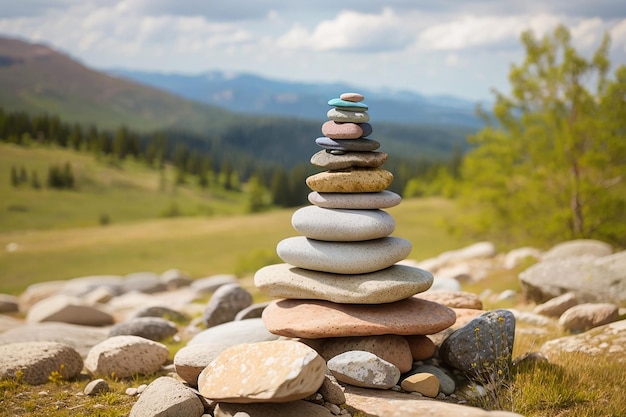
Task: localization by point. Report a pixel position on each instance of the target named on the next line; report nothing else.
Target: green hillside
(105, 192)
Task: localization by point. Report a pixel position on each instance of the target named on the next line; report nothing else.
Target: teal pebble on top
(337, 102)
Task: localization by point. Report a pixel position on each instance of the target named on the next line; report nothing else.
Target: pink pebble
(353, 97)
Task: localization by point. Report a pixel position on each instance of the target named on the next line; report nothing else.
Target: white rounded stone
(385, 286)
(343, 257)
(342, 225)
(379, 200)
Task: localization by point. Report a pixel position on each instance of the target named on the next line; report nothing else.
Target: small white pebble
(141, 388)
(131, 391)
(99, 406)
(42, 393)
(334, 408)
(396, 388)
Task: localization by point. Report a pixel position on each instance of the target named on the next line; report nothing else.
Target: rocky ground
(227, 362)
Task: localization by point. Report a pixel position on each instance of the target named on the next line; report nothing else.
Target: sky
(462, 48)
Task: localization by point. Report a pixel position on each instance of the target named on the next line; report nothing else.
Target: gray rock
(331, 391)
(153, 328)
(288, 409)
(389, 347)
(589, 281)
(67, 309)
(81, 286)
(190, 360)
(604, 341)
(167, 397)
(483, 347)
(146, 282)
(212, 283)
(583, 317)
(36, 362)
(97, 386)
(234, 333)
(380, 200)
(8, 303)
(226, 302)
(446, 383)
(39, 291)
(557, 305)
(445, 284)
(364, 369)
(252, 312)
(81, 338)
(162, 312)
(175, 278)
(578, 248)
(125, 356)
(517, 256)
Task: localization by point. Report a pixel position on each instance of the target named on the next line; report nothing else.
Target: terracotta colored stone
(383, 199)
(317, 319)
(329, 161)
(355, 97)
(391, 284)
(424, 383)
(336, 130)
(421, 347)
(392, 348)
(351, 180)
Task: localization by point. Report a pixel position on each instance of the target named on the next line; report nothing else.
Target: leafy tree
(551, 163)
(256, 195)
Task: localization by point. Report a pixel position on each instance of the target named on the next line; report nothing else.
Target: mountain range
(243, 112)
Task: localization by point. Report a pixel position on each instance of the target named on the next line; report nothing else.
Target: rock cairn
(341, 289)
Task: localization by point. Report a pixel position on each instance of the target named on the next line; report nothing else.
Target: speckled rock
(343, 257)
(391, 284)
(37, 361)
(276, 371)
(125, 356)
(342, 225)
(314, 319)
(166, 396)
(348, 116)
(364, 369)
(392, 348)
(329, 161)
(380, 200)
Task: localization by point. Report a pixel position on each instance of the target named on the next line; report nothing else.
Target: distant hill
(248, 93)
(35, 78)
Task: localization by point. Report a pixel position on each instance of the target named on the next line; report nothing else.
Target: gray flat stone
(380, 200)
(343, 257)
(327, 160)
(342, 225)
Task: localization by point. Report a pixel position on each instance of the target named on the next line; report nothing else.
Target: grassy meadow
(48, 234)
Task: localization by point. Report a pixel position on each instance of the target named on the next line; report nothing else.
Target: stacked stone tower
(341, 283)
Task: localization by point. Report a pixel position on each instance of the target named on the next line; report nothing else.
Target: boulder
(165, 397)
(583, 317)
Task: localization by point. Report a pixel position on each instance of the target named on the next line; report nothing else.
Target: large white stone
(387, 285)
(343, 257)
(342, 225)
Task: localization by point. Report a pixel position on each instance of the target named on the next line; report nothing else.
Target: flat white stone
(385, 286)
(342, 225)
(379, 200)
(343, 257)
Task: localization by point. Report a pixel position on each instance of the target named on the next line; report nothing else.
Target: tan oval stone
(351, 180)
(327, 160)
(275, 371)
(315, 319)
(424, 383)
(391, 284)
(336, 130)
